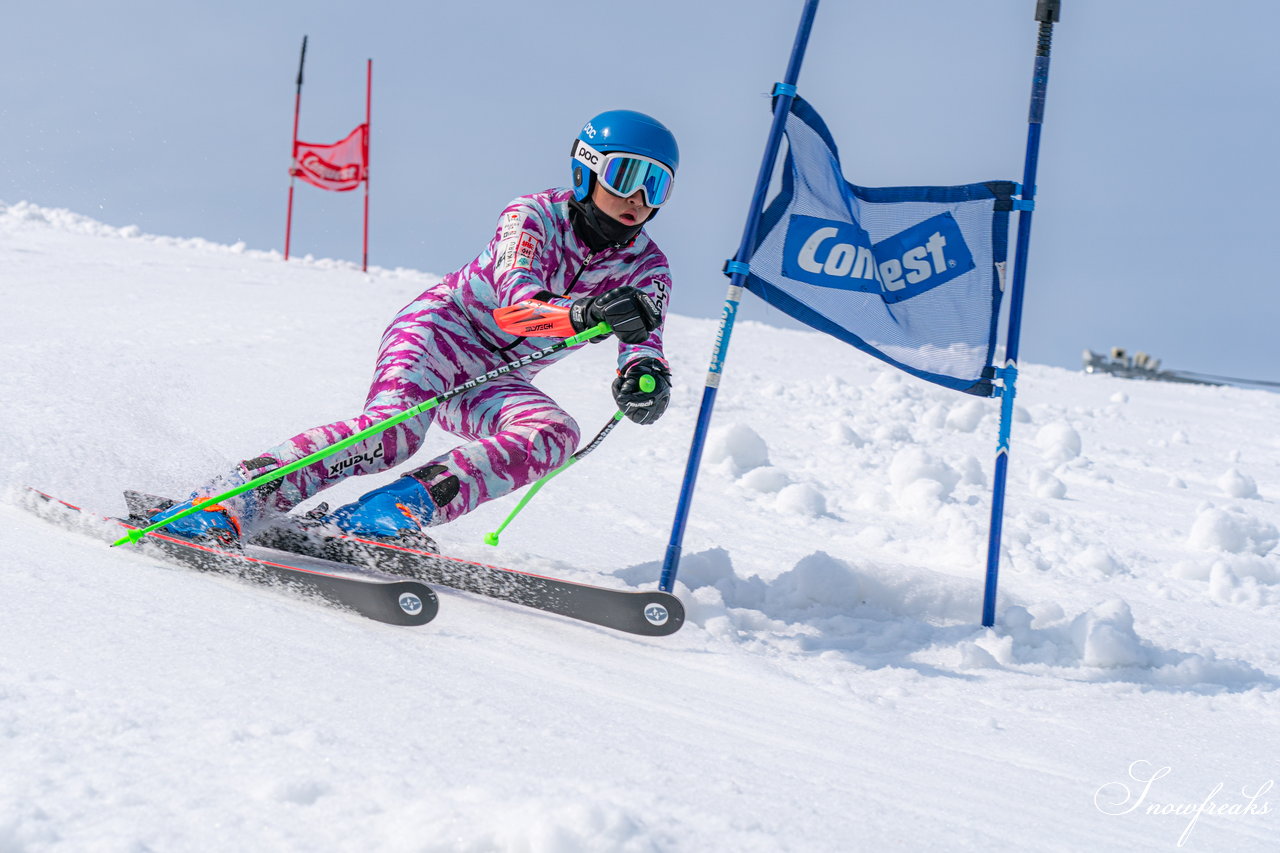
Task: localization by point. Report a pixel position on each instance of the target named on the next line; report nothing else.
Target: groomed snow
(831, 691)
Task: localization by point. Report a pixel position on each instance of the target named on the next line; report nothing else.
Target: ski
(394, 600)
(649, 613)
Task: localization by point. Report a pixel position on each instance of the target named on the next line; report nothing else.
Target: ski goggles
(623, 174)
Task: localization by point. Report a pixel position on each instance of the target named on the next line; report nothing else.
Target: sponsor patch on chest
(526, 250)
(517, 248)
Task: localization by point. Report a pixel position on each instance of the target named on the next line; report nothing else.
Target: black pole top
(302, 60)
(1048, 11)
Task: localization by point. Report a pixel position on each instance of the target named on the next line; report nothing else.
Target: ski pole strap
(380, 426)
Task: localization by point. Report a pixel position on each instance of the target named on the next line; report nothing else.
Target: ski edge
(650, 613)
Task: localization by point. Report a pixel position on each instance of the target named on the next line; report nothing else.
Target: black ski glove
(629, 390)
(630, 313)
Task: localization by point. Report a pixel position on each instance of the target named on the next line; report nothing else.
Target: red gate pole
(297, 107)
(368, 97)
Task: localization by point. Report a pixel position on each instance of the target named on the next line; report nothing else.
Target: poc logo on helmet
(584, 152)
(589, 129)
(840, 255)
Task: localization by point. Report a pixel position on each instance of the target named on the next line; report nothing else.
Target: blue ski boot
(222, 523)
(397, 513)
(216, 524)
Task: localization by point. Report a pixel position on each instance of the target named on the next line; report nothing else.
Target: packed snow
(832, 689)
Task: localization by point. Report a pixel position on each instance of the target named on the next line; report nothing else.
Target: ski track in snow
(832, 689)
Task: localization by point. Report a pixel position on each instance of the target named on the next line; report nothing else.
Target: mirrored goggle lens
(625, 175)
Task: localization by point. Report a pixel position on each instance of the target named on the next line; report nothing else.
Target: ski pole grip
(601, 328)
(648, 383)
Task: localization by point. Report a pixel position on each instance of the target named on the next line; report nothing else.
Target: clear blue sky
(1156, 222)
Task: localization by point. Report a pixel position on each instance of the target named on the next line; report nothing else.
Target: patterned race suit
(515, 433)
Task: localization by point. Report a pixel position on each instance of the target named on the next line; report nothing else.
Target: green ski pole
(647, 384)
(593, 332)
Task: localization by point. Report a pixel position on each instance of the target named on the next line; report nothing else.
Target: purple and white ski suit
(514, 432)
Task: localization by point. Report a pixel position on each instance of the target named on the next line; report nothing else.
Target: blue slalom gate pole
(1047, 13)
(737, 270)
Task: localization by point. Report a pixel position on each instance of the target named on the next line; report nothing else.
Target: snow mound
(972, 473)
(820, 592)
(1236, 484)
(802, 499)
(1097, 561)
(1045, 485)
(1102, 639)
(818, 585)
(1244, 581)
(712, 567)
(915, 472)
(967, 416)
(556, 826)
(1232, 530)
(842, 433)
(766, 479)
(739, 446)
(1058, 442)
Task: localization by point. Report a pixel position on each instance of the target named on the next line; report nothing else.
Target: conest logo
(840, 255)
(410, 603)
(656, 614)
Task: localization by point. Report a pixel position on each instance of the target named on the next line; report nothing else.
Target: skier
(582, 248)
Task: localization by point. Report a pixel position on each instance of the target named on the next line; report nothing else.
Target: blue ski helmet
(624, 131)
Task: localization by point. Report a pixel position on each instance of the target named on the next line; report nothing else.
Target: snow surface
(832, 689)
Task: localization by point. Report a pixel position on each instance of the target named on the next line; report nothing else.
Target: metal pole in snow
(737, 269)
(293, 148)
(368, 97)
(1047, 13)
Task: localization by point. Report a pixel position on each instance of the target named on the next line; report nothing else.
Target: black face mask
(598, 229)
